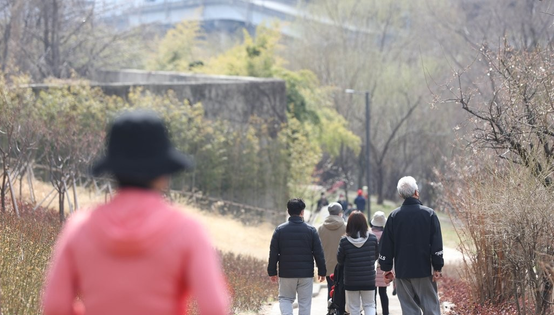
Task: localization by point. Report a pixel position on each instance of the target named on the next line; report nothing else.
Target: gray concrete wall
(141, 76)
(234, 99)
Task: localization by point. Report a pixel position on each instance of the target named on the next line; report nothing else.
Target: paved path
(319, 300)
(319, 303)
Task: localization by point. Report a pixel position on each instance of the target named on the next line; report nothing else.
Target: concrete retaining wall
(234, 99)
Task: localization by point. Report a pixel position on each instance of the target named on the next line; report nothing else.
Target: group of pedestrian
(138, 255)
(347, 207)
(406, 247)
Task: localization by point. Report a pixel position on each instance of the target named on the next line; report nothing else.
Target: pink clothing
(134, 255)
(379, 274)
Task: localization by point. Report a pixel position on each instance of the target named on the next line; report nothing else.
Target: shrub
(505, 219)
(27, 242)
(248, 282)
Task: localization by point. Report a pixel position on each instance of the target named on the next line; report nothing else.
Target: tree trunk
(21, 176)
(6, 40)
(4, 181)
(75, 200)
(30, 179)
(12, 193)
(545, 296)
(56, 60)
(68, 198)
(361, 163)
(61, 195)
(380, 184)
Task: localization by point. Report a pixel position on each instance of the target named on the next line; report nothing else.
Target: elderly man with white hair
(412, 240)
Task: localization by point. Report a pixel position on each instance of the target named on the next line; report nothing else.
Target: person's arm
(319, 256)
(273, 255)
(340, 254)
(376, 250)
(436, 244)
(60, 289)
(204, 275)
(386, 246)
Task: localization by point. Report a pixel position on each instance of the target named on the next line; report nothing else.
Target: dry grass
(227, 234)
(232, 236)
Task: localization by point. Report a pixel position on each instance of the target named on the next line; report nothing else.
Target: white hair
(407, 187)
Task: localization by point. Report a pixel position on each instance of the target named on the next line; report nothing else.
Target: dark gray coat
(294, 246)
(359, 263)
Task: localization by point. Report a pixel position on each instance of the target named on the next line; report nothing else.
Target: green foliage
(334, 133)
(19, 131)
(233, 162)
(255, 57)
(240, 163)
(74, 119)
(313, 124)
(303, 155)
(16, 108)
(177, 50)
(300, 86)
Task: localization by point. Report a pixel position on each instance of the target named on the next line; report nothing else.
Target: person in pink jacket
(136, 254)
(377, 224)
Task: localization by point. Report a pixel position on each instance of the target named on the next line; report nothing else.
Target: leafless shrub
(505, 221)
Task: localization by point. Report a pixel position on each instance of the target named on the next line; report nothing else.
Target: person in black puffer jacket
(412, 241)
(294, 246)
(357, 252)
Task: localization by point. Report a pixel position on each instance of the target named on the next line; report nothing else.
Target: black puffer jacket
(294, 245)
(358, 257)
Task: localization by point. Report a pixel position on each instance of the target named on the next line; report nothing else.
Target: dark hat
(335, 208)
(139, 148)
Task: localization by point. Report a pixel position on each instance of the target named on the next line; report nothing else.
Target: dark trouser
(330, 283)
(384, 299)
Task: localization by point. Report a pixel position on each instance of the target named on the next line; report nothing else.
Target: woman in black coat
(357, 252)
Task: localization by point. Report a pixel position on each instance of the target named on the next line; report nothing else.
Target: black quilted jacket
(359, 263)
(294, 246)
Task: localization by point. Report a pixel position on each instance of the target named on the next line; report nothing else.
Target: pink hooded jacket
(134, 255)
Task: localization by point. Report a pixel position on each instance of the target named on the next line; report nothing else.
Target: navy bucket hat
(138, 147)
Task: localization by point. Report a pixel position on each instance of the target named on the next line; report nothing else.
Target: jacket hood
(333, 222)
(132, 223)
(358, 242)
